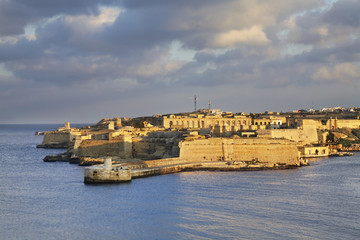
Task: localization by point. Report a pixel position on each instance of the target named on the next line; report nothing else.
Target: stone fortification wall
(98, 148)
(343, 123)
(305, 134)
(225, 149)
(157, 145)
(331, 123)
(58, 139)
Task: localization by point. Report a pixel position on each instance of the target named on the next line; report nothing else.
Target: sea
(40, 200)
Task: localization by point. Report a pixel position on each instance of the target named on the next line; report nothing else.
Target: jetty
(121, 173)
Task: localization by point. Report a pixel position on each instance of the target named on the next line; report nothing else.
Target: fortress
(203, 140)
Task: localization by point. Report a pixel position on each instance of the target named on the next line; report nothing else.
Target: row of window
(203, 125)
(229, 123)
(267, 123)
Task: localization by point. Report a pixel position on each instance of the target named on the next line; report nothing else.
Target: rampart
(56, 139)
(226, 149)
(343, 123)
(121, 147)
(157, 145)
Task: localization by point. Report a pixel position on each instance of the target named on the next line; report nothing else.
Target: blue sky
(81, 61)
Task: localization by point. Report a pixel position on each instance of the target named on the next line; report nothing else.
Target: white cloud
(343, 72)
(106, 17)
(252, 36)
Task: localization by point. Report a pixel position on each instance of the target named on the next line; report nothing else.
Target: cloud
(343, 72)
(91, 23)
(344, 12)
(16, 14)
(131, 52)
(253, 35)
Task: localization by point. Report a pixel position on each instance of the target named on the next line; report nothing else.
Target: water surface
(49, 200)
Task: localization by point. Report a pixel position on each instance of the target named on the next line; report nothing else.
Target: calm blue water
(49, 200)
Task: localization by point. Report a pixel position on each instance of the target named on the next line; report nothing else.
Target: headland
(125, 148)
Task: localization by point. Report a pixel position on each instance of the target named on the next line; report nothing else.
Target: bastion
(221, 154)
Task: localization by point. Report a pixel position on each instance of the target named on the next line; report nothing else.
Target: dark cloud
(16, 14)
(344, 12)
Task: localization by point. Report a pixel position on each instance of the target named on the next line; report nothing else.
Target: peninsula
(120, 149)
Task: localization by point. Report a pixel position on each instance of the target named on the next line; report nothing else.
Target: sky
(84, 60)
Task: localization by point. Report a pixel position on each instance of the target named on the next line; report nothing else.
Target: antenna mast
(195, 98)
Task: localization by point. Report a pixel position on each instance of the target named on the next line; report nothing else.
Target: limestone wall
(225, 149)
(61, 138)
(99, 148)
(328, 124)
(157, 145)
(306, 134)
(343, 123)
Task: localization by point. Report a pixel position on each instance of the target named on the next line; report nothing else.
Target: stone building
(234, 123)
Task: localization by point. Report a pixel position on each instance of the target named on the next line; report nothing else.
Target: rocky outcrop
(57, 158)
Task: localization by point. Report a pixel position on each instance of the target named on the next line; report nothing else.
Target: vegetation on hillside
(345, 136)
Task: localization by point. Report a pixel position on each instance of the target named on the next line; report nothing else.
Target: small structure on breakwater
(106, 173)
